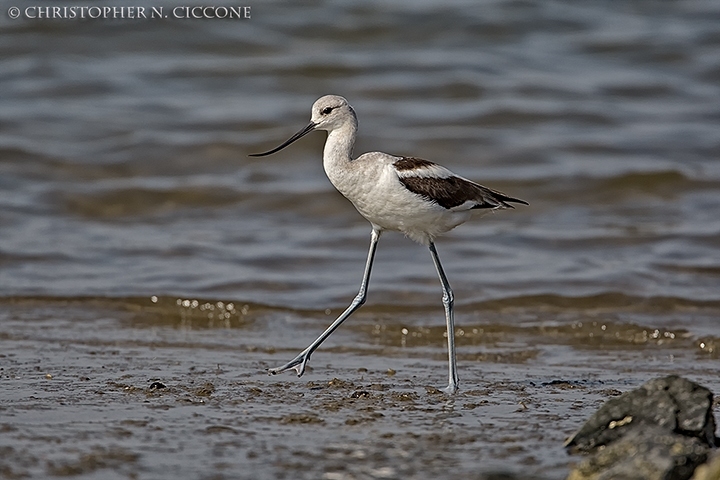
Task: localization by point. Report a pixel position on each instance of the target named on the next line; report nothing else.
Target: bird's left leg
(298, 363)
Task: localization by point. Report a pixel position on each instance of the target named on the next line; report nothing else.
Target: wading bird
(410, 195)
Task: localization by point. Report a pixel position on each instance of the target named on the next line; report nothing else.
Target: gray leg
(448, 301)
(298, 363)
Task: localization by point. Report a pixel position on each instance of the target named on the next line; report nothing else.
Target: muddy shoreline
(106, 389)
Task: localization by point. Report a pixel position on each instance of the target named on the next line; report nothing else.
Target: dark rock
(644, 454)
(673, 404)
(660, 431)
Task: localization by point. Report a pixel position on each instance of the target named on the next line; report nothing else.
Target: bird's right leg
(448, 300)
(298, 363)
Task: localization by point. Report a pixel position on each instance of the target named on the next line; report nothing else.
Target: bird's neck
(337, 156)
(339, 144)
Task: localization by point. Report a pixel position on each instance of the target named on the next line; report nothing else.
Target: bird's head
(328, 113)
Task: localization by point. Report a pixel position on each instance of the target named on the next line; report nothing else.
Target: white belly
(380, 197)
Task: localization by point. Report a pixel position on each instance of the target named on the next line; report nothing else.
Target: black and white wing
(438, 184)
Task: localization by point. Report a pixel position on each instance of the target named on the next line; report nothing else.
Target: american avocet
(414, 196)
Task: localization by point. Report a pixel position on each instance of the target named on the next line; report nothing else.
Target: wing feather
(440, 185)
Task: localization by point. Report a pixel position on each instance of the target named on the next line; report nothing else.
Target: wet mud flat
(134, 388)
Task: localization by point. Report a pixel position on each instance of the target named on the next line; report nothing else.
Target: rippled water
(124, 175)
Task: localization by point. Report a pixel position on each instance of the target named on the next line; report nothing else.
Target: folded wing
(440, 185)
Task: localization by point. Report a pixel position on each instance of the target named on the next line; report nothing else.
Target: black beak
(298, 135)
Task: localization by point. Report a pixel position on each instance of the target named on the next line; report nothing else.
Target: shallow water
(139, 243)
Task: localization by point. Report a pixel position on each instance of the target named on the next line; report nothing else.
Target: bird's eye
(327, 110)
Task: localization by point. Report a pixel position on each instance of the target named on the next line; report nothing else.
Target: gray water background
(129, 210)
